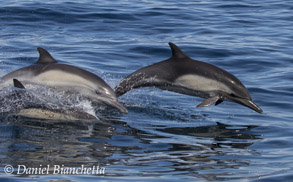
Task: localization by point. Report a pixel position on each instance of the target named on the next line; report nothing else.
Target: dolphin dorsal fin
(17, 83)
(176, 51)
(45, 57)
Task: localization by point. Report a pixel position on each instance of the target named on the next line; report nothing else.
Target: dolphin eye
(98, 92)
(233, 95)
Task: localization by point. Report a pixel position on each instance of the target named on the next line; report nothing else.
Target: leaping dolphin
(46, 71)
(184, 75)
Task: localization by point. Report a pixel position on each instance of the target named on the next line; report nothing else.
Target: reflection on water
(221, 133)
(34, 142)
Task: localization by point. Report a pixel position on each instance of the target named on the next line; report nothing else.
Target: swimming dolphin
(183, 75)
(37, 110)
(47, 72)
(42, 113)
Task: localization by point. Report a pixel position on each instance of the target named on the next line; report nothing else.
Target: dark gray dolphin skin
(46, 71)
(183, 75)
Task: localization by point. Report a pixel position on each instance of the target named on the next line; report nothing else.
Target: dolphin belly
(187, 91)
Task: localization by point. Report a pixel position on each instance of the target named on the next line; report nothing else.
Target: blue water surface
(164, 137)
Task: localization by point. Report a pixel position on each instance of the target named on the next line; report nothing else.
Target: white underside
(54, 77)
(202, 84)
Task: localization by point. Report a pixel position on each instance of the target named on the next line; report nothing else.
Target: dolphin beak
(249, 103)
(116, 104)
(111, 102)
(120, 107)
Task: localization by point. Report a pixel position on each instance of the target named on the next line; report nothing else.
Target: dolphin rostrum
(183, 75)
(47, 72)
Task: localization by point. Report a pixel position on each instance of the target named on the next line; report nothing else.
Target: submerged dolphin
(46, 71)
(36, 110)
(183, 75)
(41, 113)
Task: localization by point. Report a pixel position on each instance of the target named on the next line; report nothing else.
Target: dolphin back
(149, 76)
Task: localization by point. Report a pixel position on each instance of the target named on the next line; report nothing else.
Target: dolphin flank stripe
(64, 78)
(201, 83)
(184, 75)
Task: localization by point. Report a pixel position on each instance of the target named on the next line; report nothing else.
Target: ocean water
(164, 137)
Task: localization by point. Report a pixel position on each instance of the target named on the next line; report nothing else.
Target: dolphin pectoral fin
(208, 101)
(218, 102)
(17, 83)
